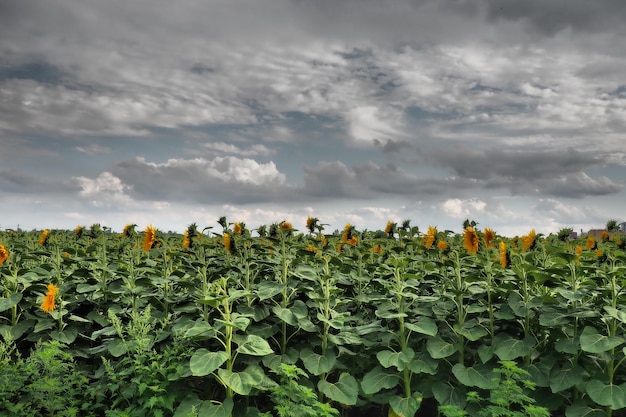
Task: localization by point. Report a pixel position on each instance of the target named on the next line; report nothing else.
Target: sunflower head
(311, 223)
(505, 257)
(431, 237)
(149, 238)
(591, 243)
(346, 235)
(489, 237)
(470, 240)
(378, 249)
(529, 240)
(78, 231)
(49, 299)
(43, 238)
(442, 245)
(4, 254)
(390, 229)
(228, 243)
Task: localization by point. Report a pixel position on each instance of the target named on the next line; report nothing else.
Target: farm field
(226, 321)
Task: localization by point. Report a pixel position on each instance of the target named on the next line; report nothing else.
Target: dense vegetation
(280, 322)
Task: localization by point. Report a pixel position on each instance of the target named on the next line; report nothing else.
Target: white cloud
(104, 191)
(461, 209)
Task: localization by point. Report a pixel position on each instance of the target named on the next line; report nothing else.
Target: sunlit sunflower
(186, 240)
(378, 249)
(78, 231)
(149, 238)
(49, 299)
(470, 240)
(605, 235)
(431, 236)
(442, 245)
(599, 253)
(43, 239)
(286, 228)
(504, 255)
(578, 250)
(237, 229)
(353, 241)
(591, 243)
(489, 237)
(528, 241)
(4, 254)
(347, 232)
(227, 242)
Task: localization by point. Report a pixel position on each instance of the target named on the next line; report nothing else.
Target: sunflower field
(282, 322)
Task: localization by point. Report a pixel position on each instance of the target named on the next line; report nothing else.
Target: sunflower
(578, 250)
(504, 255)
(528, 241)
(227, 242)
(442, 245)
(347, 232)
(390, 229)
(286, 228)
(149, 238)
(4, 254)
(186, 240)
(353, 241)
(605, 235)
(237, 229)
(591, 243)
(49, 299)
(470, 240)
(378, 249)
(43, 239)
(431, 236)
(78, 231)
(489, 237)
(129, 230)
(311, 223)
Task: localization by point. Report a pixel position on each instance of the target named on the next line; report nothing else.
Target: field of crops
(226, 321)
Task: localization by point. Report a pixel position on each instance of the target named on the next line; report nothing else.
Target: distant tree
(565, 233)
(612, 226)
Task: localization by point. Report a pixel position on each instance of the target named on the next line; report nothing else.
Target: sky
(505, 112)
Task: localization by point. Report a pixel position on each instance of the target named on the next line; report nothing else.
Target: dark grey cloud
(19, 182)
(550, 172)
(551, 16)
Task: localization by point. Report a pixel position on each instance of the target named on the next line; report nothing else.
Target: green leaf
(471, 330)
(508, 348)
(446, 394)
(571, 346)
(318, 364)
(116, 348)
(240, 382)
(268, 289)
(613, 312)
(201, 330)
(254, 345)
(378, 379)
(423, 364)
(425, 325)
(210, 409)
(345, 391)
(388, 358)
(203, 361)
(439, 349)
(610, 395)
(553, 319)
(593, 342)
(406, 407)
(285, 315)
(582, 409)
(565, 378)
(12, 300)
(478, 376)
(67, 335)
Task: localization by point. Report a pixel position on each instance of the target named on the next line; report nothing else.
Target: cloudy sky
(510, 113)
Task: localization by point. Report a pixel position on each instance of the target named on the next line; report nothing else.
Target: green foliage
(291, 399)
(380, 324)
(46, 383)
(507, 396)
